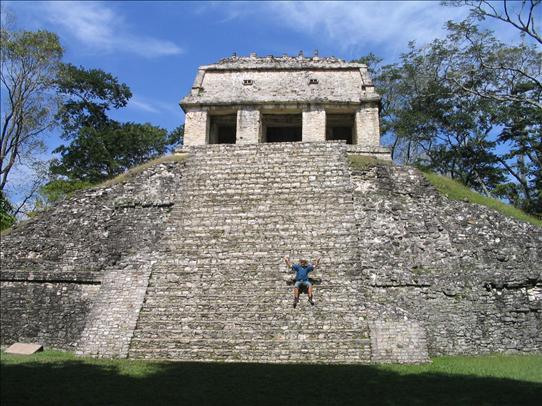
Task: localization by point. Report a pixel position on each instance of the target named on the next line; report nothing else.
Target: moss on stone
(364, 162)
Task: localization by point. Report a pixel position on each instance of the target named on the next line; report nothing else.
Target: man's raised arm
(287, 261)
(316, 263)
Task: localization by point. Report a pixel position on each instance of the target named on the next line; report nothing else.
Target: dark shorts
(298, 284)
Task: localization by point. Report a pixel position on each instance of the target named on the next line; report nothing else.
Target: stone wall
(274, 85)
(471, 276)
(110, 325)
(45, 308)
(53, 265)
(182, 261)
(399, 341)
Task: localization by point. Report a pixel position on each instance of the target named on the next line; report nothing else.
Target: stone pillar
(367, 125)
(314, 124)
(196, 128)
(249, 126)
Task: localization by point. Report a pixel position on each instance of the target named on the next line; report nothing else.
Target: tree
(87, 95)
(29, 63)
(99, 154)
(519, 14)
(469, 106)
(6, 212)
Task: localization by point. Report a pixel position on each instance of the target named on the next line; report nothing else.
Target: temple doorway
(223, 129)
(282, 127)
(340, 127)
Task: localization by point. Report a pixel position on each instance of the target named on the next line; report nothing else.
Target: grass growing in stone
(365, 162)
(454, 190)
(132, 172)
(54, 378)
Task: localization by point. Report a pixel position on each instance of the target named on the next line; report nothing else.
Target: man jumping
(302, 270)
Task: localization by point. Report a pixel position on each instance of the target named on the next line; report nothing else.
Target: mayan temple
(182, 260)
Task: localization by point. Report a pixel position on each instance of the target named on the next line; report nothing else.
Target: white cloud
(153, 106)
(352, 26)
(354, 23)
(139, 104)
(101, 28)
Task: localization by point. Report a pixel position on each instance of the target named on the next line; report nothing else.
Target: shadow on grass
(80, 383)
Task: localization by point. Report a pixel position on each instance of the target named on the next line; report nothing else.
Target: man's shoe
(311, 301)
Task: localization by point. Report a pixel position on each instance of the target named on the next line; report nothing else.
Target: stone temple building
(182, 258)
(250, 100)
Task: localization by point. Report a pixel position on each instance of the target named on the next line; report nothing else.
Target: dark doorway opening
(283, 134)
(282, 127)
(340, 127)
(223, 129)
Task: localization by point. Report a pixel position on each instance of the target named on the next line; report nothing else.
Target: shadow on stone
(79, 383)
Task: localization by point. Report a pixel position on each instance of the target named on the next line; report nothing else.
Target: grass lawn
(56, 378)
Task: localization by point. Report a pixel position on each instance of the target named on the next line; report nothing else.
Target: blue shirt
(302, 272)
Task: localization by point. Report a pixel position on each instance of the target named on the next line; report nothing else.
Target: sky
(155, 47)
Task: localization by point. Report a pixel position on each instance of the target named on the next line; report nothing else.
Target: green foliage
(30, 48)
(175, 137)
(468, 106)
(7, 219)
(99, 154)
(29, 63)
(455, 190)
(87, 96)
(63, 378)
(60, 188)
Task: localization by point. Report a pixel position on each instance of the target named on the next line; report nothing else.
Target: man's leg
(296, 295)
(310, 294)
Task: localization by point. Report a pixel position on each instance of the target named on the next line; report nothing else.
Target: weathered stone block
(196, 128)
(249, 126)
(314, 124)
(367, 125)
(24, 348)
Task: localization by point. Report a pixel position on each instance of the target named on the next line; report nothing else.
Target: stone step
(303, 323)
(270, 351)
(248, 342)
(167, 281)
(247, 334)
(175, 314)
(252, 295)
(363, 358)
(304, 312)
(215, 295)
(264, 299)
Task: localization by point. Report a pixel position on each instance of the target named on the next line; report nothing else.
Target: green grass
(454, 190)
(55, 378)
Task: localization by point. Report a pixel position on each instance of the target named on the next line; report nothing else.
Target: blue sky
(156, 47)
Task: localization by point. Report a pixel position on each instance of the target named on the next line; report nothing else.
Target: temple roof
(282, 62)
(285, 79)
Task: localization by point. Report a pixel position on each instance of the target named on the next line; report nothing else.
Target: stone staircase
(220, 290)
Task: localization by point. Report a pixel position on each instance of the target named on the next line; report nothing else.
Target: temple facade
(249, 100)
